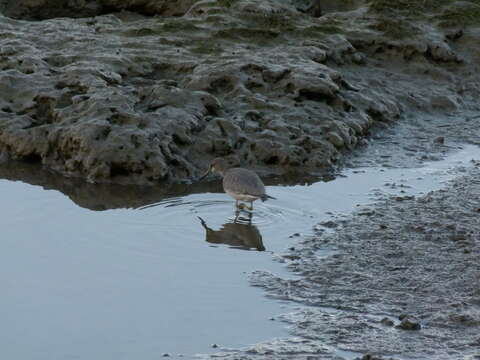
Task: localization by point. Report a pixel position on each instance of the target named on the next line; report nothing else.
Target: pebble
(408, 323)
(330, 224)
(403, 198)
(369, 357)
(387, 322)
(459, 236)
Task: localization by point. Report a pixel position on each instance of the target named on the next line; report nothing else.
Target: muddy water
(156, 277)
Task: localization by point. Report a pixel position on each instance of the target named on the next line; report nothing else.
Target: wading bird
(241, 184)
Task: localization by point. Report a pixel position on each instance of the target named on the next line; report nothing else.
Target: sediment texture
(278, 86)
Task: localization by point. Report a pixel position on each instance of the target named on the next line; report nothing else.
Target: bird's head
(217, 166)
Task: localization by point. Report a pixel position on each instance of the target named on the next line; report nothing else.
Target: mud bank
(276, 85)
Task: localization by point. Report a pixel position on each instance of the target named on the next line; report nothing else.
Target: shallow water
(166, 274)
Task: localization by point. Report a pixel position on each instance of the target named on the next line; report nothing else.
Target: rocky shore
(148, 91)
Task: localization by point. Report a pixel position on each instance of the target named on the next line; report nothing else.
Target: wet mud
(402, 280)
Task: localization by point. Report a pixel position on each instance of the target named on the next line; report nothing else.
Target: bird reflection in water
(237, 234)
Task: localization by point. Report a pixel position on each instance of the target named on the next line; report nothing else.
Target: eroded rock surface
(126, 98)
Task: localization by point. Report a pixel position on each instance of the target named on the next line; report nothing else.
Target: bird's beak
(206, 173)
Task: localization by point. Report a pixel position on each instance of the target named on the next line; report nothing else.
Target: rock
(370, 357)
(454, 35)
(359, 58)
(47, 9)
(164, 95)
(408, 323)
(443, 102)
(387, 322)
(459, 235)
(441, 51)
(151, 7)
(404, 198)
(363, 142)
(366, 212)
(339, 47)
(330, 224)
(311, 7)
(335, 139)
(439, 140)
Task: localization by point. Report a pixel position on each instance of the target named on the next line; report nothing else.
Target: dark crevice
(306, 94)
(212, 110)
(221, 86)
(178, 140)
(222, 130)
(50, 9)
(32, 158)
(375, 114)
(118, 170)
(272, 160)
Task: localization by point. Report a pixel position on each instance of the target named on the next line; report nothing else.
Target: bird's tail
(265, 197)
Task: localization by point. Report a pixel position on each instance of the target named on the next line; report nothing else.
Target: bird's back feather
(243, 181)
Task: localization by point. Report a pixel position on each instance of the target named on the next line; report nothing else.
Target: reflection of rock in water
(111, 196)
(317, 8)
(329, 6)
(238, 235)
(100, 197)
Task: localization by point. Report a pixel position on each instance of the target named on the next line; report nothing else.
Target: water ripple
(264, 215)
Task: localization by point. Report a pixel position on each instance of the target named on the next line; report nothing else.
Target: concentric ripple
(274, 218)
(214, 218)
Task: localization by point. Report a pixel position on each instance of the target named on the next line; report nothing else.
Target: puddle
(121, 284)
(168, 272)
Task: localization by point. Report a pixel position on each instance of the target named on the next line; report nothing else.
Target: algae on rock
(135, 99)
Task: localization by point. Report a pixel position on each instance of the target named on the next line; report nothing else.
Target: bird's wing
(244, 181)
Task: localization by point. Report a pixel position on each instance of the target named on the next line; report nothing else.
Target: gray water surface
(159, 271)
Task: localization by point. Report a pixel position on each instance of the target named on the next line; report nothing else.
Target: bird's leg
(204, 224)
(236, 204)
(250, 208)
(237, 214)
